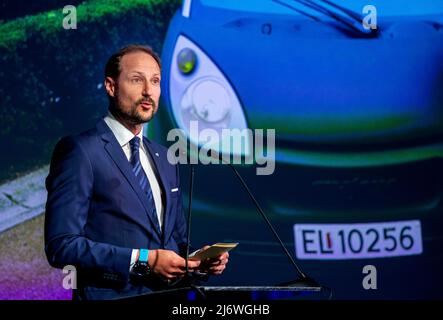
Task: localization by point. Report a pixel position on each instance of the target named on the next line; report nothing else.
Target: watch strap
(143, 256)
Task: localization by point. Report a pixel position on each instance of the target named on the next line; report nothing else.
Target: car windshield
(384, 7)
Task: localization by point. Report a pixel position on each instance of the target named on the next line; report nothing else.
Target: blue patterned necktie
(141, 177)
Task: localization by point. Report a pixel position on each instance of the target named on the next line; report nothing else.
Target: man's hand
(214, 266)
(168, 264)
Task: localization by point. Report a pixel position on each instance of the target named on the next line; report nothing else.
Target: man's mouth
(147, 104)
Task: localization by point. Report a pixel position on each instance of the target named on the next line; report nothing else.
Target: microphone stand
(304, 280)
(189, 279)
(188, 231)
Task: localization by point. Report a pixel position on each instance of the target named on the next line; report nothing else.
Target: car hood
(314, 84)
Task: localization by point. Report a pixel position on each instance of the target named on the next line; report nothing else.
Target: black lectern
(233, 293)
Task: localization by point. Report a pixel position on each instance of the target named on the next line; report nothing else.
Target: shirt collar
(121, 133)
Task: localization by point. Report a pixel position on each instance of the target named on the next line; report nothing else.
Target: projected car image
(358, 117)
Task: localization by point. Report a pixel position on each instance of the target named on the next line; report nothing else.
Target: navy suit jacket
(96, 212)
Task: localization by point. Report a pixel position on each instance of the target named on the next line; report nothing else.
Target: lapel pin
(156, 154)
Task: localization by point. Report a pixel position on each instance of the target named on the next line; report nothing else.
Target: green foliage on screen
(51, 78)
(48, 23)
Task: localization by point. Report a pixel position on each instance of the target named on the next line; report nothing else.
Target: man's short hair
(113, 69)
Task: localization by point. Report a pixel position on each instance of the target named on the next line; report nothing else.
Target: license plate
(358, 241)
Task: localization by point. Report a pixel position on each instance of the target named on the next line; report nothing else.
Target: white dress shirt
(123, 136)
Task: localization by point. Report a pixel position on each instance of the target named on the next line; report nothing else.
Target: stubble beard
(133, 116)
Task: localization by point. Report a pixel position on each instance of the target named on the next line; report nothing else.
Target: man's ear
(110, 86)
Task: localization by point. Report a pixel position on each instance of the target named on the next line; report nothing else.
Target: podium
(233, 293)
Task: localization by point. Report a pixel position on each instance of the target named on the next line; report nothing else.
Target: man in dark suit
(114, 206)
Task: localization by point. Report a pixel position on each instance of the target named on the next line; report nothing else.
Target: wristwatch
(141, 267)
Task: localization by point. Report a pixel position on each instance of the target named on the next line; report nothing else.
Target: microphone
(303, 280)
(190, 278)
(188, 223)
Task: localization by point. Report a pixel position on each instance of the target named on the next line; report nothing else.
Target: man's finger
(218, 269)
(176, 272)
(224, 255)
(193, 263)
(218, 262)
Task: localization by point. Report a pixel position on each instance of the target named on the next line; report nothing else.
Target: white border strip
(186, 8)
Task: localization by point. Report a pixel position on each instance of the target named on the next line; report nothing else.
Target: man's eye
(155, 81)
(136, 80)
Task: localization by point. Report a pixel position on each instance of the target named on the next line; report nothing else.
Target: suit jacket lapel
(118, 156)
(158, 162)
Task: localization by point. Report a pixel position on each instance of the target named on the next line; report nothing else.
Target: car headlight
(200, 92)
(207, 99)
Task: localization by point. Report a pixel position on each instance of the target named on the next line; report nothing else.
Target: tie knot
(135, 144)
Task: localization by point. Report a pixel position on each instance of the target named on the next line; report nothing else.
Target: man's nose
(147, 89)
